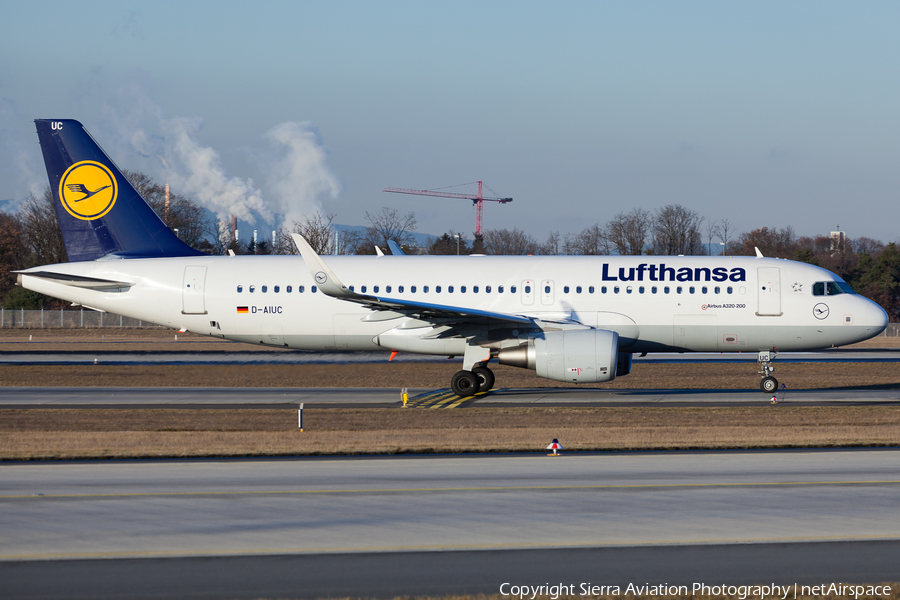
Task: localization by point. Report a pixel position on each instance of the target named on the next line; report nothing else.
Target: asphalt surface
(215, 357)
(123, 397)
(316, 527)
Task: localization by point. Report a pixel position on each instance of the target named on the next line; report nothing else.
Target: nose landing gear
(768, 384)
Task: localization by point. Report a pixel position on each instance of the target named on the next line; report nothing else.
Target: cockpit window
(831, 288)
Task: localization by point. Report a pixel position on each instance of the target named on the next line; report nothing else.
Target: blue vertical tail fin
(100, 213)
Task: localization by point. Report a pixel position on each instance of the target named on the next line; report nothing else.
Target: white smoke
(296, 180)
(294, 166)
(197, 171)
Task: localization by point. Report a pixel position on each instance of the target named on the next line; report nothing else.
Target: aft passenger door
(192, 291)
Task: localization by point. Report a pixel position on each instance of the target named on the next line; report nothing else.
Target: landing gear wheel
(485, 378)
(464, 384)
(768, 384)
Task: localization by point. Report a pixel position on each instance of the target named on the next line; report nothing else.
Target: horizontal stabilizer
(79, 281)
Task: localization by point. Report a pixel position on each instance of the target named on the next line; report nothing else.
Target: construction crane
(478, 200)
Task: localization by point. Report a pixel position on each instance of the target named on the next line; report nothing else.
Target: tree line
(31, 237)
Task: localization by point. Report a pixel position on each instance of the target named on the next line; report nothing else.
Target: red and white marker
(555, 446)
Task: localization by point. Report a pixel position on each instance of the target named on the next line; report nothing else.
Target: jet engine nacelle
(574, 356)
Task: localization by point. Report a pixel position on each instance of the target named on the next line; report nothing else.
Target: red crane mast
(478, 200)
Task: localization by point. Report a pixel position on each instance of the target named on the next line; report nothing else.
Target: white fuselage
(655, 304)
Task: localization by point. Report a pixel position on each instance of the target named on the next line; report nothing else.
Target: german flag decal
(242, 309)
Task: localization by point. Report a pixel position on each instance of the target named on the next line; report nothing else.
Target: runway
(414, 525)
(272, 357)
(159, 397)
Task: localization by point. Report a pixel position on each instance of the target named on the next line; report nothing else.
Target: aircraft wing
(330, 285)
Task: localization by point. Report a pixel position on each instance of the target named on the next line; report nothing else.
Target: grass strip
(36, 434)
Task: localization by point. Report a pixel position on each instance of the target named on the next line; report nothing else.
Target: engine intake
(574, 356)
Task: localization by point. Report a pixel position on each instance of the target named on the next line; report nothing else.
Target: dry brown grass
(97, 433)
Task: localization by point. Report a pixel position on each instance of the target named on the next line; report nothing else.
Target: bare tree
(676, 231)
(509, 242)
(386, 225)
(315, 228)
(40, 230)
(778, 243)
(592, 240)
(867, 245)
(628, 232)
(551, 246)
(724, 231)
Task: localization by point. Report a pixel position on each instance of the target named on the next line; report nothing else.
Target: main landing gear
(768, 384)
(469, 383)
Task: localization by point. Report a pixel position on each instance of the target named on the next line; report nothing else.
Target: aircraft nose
(876, 318)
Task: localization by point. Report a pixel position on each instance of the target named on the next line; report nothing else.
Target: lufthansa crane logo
(88, 190)
(321, 277)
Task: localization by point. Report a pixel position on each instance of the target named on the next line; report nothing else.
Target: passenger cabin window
(591, 290)
(578, 289)
(240, 289)
(375, 288)
(437, 289)
(252, 288)
(301, 288)
(352, 288)
(449, 289)
(399, 289)
(527, 289)
(387, 289)
(462, 289)
(412, 289)
(363, 289)
(313, 289)
(276, 289)
(512, 289)
(288, 289)
(474, 289)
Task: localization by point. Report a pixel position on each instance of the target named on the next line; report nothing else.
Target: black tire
(768, 384)
(464, 384)
(485, 378)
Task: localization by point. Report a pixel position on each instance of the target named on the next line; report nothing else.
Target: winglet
(378, 251)
(396, 250)
(322, 275)
(758, 253)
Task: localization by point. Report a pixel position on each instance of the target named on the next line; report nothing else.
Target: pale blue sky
(765, 113)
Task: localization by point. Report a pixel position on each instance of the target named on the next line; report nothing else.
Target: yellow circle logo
(88, 190)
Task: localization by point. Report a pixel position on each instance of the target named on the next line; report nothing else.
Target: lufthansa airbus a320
(576, 319)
